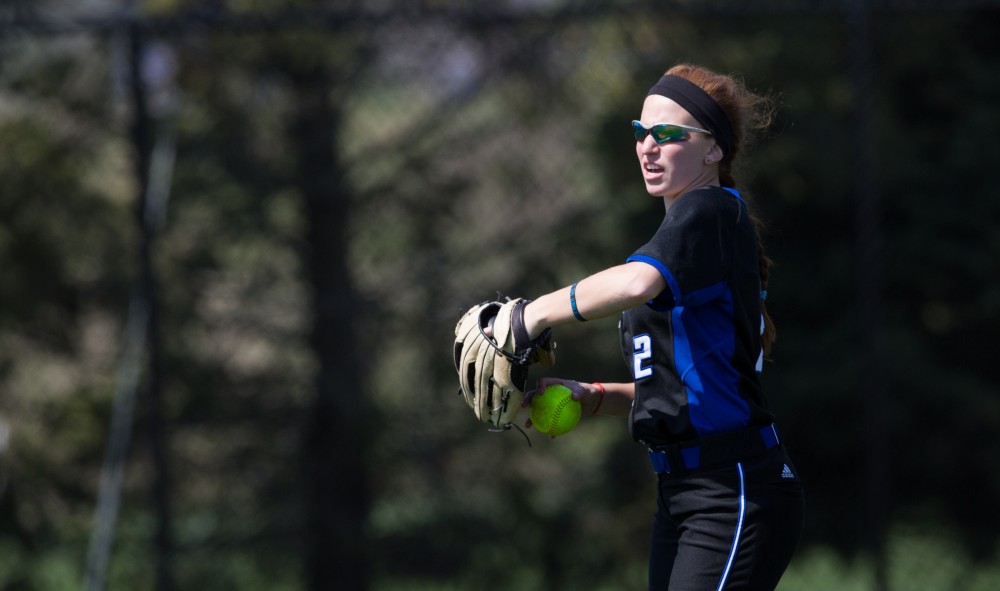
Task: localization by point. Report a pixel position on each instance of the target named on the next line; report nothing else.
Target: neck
(707, 180)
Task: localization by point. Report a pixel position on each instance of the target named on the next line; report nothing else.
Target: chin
(655, 191)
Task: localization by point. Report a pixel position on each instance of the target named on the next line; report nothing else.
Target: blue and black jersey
(694, 351)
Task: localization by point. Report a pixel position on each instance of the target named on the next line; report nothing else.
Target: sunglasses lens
(639, 131)
(664, 133)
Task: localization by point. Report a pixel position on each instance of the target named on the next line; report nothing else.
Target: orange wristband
(601, 386)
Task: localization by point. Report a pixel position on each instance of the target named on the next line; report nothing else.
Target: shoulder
(704, 203)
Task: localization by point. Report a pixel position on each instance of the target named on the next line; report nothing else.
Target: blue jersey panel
(704, 344)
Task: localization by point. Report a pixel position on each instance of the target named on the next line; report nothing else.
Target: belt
(714, 450)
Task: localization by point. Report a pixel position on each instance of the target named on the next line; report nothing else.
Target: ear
(714, 154)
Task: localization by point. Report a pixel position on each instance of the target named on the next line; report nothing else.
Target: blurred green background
(294, 201)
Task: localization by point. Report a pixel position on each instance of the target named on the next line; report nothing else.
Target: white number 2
(642, 349)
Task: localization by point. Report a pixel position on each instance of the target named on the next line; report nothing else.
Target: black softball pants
(731, 527)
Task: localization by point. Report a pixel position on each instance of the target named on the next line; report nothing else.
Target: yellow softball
(554, 412)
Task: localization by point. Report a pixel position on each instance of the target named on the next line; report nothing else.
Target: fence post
(141, 137)
(874, 387)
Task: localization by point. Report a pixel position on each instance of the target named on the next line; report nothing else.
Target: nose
(648, 144)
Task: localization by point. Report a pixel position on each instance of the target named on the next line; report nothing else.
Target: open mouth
(651, 170)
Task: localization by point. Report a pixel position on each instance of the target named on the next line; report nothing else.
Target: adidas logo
(787, 472)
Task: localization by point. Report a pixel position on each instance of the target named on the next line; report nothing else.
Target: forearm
(617, 399)
(600, 295)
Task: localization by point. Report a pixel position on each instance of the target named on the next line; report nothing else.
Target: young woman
(695, 329)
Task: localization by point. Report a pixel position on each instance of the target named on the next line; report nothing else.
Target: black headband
(701, 106)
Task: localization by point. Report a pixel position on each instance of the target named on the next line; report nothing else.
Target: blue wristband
(572, 303)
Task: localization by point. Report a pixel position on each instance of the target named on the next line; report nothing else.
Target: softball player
(694, 330)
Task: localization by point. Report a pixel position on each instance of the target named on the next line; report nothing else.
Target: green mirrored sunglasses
(665, 132)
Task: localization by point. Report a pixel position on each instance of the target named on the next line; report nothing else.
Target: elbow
(643, 286)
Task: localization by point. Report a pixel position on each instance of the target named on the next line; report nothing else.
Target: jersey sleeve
(690, 250)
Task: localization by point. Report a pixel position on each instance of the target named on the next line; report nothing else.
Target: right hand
(588, 395)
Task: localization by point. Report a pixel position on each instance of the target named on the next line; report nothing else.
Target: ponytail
(764, 264)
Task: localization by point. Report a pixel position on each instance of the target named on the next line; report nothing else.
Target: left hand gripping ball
(554, 412)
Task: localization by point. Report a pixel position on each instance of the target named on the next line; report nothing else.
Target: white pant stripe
(739, 531)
